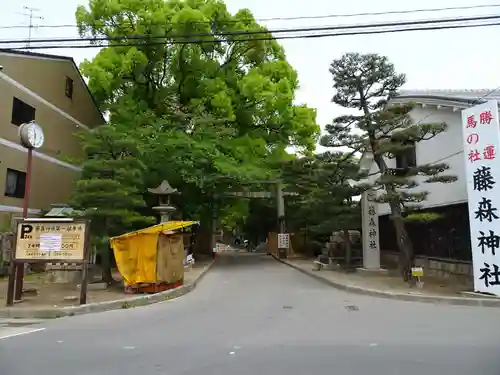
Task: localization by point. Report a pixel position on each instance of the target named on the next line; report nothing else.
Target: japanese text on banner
(482, 170)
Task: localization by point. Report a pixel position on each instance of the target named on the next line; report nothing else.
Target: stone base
(64, 273)
(372, 270)
(68, 273)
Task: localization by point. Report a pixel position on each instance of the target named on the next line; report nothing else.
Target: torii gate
(280, 201)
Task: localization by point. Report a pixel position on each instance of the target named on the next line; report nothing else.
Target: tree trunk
(403, 240)
(204, 235)
(347, 248)
(204, 238)
(107, 276)
(405, 245)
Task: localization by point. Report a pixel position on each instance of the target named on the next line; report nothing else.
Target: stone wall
(436, 267)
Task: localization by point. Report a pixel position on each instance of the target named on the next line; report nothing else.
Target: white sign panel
(50, 242)
(482, 170)
(283, 241)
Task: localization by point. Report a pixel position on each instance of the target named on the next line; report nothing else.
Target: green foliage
(326, 196)
(422, 216)
(110, 187)
(246, 83)
(233, 216)
(209, 117)
(367, 83)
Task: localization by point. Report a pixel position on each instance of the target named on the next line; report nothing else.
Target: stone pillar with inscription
(370, 227)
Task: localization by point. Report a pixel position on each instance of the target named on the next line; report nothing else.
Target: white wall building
(435, 106)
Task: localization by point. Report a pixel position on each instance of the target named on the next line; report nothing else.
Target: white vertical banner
(481, 135)
(371, 245)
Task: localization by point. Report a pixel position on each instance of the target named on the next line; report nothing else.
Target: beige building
(49, 90)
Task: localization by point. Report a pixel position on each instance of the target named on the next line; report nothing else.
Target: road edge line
(456, 301)
(21, 333)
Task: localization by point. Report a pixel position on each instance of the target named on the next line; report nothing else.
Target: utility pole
(29, 13)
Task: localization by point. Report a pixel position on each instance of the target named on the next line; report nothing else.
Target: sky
(442, 59)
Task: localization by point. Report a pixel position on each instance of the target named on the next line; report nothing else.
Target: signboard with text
(50, 241)
(481, 134)
(283, 240)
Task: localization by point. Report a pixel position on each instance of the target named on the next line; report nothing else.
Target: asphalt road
(253, 315)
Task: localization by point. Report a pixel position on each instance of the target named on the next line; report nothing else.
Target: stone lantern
(164, 191)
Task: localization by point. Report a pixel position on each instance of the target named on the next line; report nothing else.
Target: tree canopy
(185, 60)
(209, 103)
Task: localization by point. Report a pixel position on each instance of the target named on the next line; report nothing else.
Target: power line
(270, 19)
(215, 41)
(267, 33)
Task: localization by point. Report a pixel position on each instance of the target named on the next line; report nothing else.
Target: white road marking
(129, 347)
(373, 344)
(13, 332)
(232, 353)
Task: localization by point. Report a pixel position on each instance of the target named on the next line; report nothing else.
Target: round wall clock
(31, 135)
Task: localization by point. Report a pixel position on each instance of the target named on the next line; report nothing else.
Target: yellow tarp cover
(136, 252)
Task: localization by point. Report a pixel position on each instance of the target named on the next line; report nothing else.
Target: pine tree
(367, 83)
(326, 196)
(109, 189)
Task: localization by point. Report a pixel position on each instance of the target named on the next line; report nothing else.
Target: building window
(406, 159)
(69, 87)
(21, 112)
(15, 182)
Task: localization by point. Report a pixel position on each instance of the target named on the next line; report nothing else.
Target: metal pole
(20, 266)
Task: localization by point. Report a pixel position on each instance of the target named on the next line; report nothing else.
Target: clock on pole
(32, 137)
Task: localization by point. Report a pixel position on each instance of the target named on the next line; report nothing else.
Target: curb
(124, 303)
(457, 301)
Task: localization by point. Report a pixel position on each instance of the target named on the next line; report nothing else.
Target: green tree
(325, 203)
(225, 74)
(367, 83)
(109, 191)
(212, 112)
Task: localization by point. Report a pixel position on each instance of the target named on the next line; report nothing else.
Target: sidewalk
(191, 278)
(390, 286)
